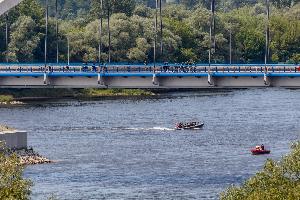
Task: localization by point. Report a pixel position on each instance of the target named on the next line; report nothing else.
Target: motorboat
(258, 150)
(189, 126)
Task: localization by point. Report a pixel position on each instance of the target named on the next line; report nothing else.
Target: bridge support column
(100, 79)
(210, 79)
(155, 80)
(266, 80)
(45, 79)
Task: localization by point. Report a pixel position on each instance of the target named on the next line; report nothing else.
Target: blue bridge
(120, 75)
(78, 75)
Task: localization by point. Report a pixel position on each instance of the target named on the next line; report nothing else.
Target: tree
(12, 185)
(23, 40)
(277, 180)
(139, 53)
(115, 6)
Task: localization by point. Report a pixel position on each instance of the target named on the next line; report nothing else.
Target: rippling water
(127, 148)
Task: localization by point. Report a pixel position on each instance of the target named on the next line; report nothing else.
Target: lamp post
(56, 30)
(46, 34)
(6, 37)
(100, 33)
(155, 34)
(161, 28)
(211, 31)
(267, 50)
(109, 33)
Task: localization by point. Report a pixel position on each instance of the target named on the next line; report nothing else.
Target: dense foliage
(278, 180)
(12, 184)
(185, 31)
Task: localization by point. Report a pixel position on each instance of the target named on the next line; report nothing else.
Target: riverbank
(19, 96)
(15, 142)
(30, 157)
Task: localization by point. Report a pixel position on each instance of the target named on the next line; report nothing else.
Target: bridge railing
(161, 68)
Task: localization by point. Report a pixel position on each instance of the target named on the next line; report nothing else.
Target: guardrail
(161, 68)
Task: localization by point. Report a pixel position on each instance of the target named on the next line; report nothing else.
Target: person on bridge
(94, 67)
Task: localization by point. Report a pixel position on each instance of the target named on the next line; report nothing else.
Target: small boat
(258, 150)
(189, 126)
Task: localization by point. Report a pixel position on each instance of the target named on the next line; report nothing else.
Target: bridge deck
(149, 76)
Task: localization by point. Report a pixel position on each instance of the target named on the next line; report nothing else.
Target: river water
(127, 148)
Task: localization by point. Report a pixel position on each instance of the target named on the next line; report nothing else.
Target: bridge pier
(6, 5)
(155, 80)
(267, 80)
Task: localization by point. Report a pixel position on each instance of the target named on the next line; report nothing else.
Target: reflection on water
(128, 148)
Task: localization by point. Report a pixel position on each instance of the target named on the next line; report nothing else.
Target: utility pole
(6, 37)
(46, 34)
(211, 31)
(68, 41)
(56, 31)
(155, 35)
(161, 29)
(100, 33)
(230, 46)
(109, 34)
(267, 50)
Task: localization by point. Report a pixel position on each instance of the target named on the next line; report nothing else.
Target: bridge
(157, 75)
(148, 76)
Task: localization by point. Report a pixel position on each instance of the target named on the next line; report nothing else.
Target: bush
(6, 98)
(12, 184)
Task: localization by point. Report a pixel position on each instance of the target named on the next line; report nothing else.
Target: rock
(29, 157)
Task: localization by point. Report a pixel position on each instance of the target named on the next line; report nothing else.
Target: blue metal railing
(160, 69)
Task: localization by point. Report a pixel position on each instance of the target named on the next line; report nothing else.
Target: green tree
(23, 40)
(139, 53)
(115, 6)
(12, 184)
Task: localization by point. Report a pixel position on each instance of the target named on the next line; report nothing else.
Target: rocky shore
(12, 103)
(30, 157)
(26, 155)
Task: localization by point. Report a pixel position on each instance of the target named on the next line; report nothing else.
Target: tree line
(185, 32)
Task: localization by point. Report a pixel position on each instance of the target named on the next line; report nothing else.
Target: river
(127, 148)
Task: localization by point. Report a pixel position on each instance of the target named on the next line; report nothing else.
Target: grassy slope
(8, 95)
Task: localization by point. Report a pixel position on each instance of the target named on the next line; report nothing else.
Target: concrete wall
(6, 5)
(14, 139)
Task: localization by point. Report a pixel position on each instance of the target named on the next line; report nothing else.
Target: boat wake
(147, 129)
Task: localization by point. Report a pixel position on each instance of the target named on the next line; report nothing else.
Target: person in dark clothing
(262, 147)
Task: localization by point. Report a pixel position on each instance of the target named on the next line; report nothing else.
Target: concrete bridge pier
(6, 5)
(14, 139)
(155, 80)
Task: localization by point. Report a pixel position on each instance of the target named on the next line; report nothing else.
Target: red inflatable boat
(258, 151)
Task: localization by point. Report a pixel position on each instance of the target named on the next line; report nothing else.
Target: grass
(8, 95)
(6, 98)
(113, 92)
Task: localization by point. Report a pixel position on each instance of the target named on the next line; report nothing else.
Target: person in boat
(262, 147)
(179, 125)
